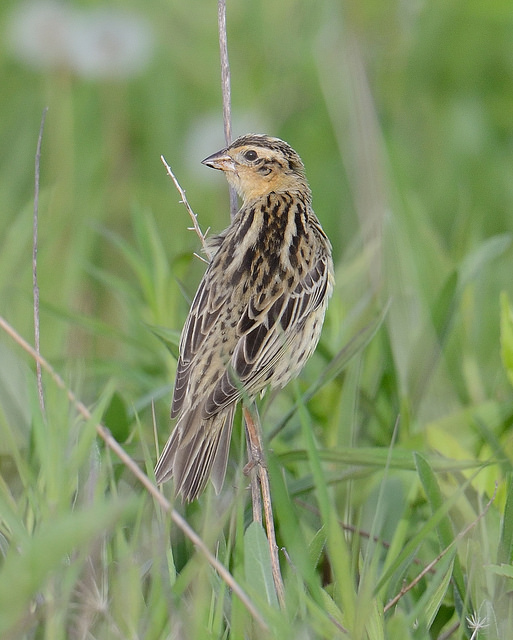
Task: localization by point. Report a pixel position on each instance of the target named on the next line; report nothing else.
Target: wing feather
(265, 338)
(203, 315)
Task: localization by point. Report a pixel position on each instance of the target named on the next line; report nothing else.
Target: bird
(257, 315)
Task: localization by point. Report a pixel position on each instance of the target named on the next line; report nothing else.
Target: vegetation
(394, 448)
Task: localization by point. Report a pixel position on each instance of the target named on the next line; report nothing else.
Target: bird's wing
(266, 330)
(203, 314)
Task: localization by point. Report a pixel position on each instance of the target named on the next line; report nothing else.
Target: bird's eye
(251, 155)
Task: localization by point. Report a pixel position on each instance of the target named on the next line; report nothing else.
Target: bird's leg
(257, 458)
(256, 455)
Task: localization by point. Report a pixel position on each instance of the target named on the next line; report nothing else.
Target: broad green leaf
(434, 495)
(257, 563)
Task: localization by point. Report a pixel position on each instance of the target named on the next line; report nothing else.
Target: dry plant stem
(451, 631)
(432, 564)
(202, 236)
(253, 431)
(225, 86)
(118, 450)
(251, 469)
(35, 286)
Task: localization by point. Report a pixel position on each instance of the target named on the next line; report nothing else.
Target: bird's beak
(220, 160)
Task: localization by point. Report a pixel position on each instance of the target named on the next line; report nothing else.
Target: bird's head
(257, 165)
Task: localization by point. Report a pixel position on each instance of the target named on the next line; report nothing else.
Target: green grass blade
(379, 457)
(505, 550)
(336, 544)
(25, 570)
(410, 548)
(445, 531)
(507, 335)
(427, 606)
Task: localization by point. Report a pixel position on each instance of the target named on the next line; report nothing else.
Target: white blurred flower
(40, 34)
(111, 43)
(95, 43)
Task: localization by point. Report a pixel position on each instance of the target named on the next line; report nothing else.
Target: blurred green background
(401, 112)
(398, 109)
(403, 115)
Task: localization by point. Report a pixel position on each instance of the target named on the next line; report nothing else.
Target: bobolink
(257, 315)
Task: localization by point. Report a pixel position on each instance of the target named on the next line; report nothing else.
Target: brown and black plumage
(258, 312)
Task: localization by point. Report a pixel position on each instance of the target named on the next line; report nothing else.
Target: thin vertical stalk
(225, 86)
(35, 286)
